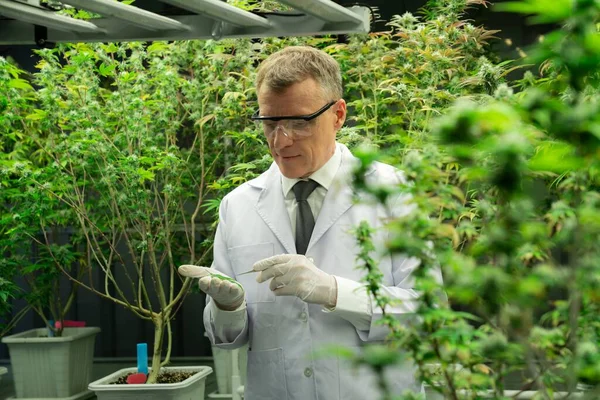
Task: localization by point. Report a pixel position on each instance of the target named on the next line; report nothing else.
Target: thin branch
(200, 190)
(167, 359)
(15, 320)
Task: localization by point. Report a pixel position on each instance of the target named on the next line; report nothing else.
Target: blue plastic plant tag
(50, 331)
(142, 358)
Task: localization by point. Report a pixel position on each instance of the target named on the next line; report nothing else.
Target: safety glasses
(292, 126)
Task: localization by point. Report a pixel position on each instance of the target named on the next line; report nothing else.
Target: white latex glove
(228, 295)
(296, 275)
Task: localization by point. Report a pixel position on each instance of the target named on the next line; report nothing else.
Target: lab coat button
(308, 372)
(312, 260)
(303, 316)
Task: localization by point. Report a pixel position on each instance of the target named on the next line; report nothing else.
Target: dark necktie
(305, 221)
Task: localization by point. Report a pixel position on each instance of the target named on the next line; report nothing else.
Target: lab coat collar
(271, 207)
(271, 204)
(339, 197)
(263, 180)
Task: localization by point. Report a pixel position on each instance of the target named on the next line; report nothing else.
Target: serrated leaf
(36, 115)
(145, 175)
(204, 120)
(19, 84)
(242, 167)
(157, 47)
(106, 70)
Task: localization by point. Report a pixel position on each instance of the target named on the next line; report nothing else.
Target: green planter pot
(190, 389)
(52, 367)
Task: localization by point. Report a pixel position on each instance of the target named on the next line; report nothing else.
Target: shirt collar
(323, 176)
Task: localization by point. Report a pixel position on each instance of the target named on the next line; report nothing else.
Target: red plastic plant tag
(136, 379)
(74, 324)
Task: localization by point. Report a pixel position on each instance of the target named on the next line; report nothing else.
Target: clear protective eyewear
(292, 126)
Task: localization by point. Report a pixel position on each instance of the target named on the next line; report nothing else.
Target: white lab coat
(284, 331)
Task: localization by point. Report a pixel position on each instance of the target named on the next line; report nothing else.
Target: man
(293, 226)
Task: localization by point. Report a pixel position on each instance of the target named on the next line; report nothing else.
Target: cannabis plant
(22, 205)
(506, 191)
(135, 139)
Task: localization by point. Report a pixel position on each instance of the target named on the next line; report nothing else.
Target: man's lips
(288, 157)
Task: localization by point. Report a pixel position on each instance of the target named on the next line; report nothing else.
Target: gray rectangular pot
(3, 370)
(190, 389)
(52, 367)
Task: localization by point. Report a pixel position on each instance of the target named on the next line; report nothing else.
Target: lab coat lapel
(271, 208)
(338, 200)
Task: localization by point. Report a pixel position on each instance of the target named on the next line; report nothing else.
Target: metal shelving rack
(27, 22)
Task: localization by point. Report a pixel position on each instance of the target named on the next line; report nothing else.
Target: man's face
(301, 156)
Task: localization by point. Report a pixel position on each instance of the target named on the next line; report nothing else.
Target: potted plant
(138, 140)
(27, 217)
(135, 191)
(505, 188)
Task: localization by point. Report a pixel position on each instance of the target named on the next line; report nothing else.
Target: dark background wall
(121, 330)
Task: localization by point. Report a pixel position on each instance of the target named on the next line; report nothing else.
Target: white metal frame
(35, 15)
(131, 14)
(221, 11)
(211, 19)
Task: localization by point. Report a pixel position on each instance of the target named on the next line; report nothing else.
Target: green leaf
(211, 205)
(204, 120)
(37, 115)
(242, 167)
(19, 84)
(225, 278)
(145, 175)
(328, 351)
(110, 47)
(555, 157)
(157, 47)
(545, 11)
(106, 70)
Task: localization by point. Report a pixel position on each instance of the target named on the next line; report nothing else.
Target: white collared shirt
(323, 176)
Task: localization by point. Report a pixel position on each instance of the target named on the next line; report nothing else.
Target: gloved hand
(227, 293)
(296, 275)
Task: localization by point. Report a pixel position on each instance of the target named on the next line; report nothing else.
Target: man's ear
(340, 114)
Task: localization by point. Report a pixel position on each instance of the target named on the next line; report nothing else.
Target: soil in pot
(163, 377)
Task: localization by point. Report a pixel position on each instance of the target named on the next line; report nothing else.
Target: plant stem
(453, 392)
(15, 320)
(383, 385)
(167, 359)
(200, 192)
(157, 348)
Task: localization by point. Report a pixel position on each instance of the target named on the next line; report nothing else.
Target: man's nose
(282, 140)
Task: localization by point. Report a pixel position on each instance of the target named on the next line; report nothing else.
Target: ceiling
(29, 22)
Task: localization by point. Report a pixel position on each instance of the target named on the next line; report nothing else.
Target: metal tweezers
(247, 272)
